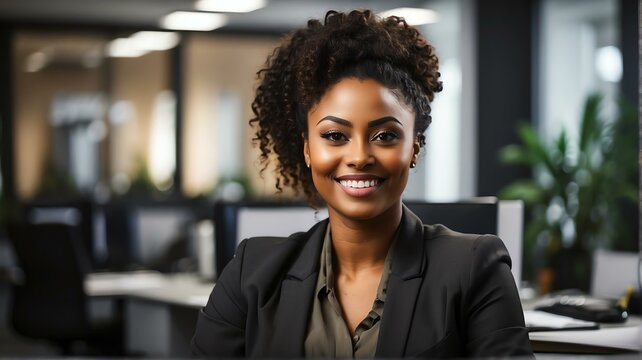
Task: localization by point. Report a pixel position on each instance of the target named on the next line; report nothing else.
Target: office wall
(109, 150)
(504, 87)
(216, 68)
(33, 93)
(137, 82)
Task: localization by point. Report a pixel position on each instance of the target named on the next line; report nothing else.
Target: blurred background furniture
(51, 303)
(160, 309)
(613, 272)
(235, 221)
(484, 215)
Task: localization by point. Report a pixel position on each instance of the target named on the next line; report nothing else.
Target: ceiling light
(37, 61)
(124, 47)
(413, 16)
(193, 21)
(235, 6)
(155, 40)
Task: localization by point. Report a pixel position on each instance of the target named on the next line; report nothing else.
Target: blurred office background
(129, 125)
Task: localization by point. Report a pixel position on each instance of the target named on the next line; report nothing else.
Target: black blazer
(449, 295)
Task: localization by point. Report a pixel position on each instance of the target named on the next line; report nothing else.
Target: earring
(413, 165)
(308, 164)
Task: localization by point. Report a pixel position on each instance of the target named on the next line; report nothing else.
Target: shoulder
(266, 258)
(260, 247)
(475, 252)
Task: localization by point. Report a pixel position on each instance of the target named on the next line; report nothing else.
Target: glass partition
(90, 119)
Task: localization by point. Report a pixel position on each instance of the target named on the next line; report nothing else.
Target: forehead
(360, 99)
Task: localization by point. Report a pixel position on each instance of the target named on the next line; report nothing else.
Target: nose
(359, 154)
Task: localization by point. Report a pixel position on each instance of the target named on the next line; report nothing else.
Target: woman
(343, 106)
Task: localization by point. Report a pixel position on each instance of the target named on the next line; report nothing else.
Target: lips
(359, 185)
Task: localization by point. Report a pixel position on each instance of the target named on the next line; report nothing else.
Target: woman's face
(360, 145)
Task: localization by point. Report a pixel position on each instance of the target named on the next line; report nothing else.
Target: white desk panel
(176, 289)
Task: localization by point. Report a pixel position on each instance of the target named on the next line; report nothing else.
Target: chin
(361, 210)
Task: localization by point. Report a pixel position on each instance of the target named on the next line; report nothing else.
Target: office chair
(77, 213)
(51, 303)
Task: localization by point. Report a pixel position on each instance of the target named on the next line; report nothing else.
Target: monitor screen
(234, 222)
(160, 232)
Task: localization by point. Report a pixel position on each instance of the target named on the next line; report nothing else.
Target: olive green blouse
(328, 334)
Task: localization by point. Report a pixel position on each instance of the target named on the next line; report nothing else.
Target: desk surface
(178, 289)
(608, 339)
(190, 291)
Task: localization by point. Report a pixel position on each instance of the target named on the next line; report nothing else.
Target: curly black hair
(358, 44)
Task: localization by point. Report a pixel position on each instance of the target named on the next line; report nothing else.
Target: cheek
(324, 159)
(398, 158)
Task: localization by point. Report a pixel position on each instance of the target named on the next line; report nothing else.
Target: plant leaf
(590, 126)
(527, 190)
(535, 147)
(515, 155)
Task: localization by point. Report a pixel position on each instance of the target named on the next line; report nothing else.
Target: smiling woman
(343, 105)
(359, 133)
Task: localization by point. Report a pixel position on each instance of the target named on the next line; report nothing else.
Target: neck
(363, 244)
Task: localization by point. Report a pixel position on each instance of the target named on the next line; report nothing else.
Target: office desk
(161, 312)
(160, 309)
(177, 289)
(608, 339)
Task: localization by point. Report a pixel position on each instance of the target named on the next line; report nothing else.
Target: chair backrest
(76, 213)
(235, 221)
(51, 303)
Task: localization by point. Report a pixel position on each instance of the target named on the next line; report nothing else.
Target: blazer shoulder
(266, 258)
(477, 250)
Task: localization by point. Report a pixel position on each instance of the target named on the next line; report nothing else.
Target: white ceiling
(279, 15)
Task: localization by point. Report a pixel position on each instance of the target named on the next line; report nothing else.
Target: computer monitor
(488, 215)
(154, 235)
(236, 221)
(159, 233)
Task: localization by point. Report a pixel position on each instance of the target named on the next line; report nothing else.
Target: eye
(334, 136)
(385, 136)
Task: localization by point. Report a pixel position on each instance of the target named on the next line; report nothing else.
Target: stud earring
(413, 165)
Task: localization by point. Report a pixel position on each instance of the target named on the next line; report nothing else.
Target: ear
(306, 149)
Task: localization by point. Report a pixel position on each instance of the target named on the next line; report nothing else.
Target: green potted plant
(576, 197)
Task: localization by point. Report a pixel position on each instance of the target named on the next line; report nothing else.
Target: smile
(359, 184)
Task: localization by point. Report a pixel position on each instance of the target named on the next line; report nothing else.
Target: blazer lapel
(403, 286)
(297, 291)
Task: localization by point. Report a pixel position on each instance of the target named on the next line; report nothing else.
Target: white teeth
(358, 184)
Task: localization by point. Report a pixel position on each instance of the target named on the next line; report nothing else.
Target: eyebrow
(371, 124)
